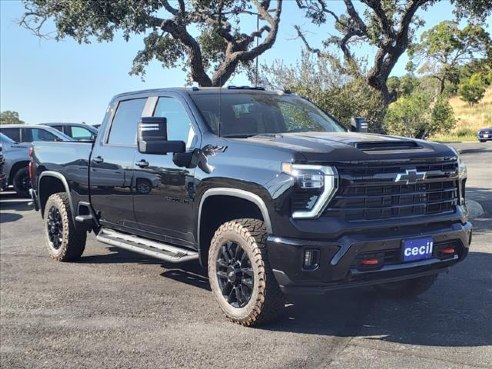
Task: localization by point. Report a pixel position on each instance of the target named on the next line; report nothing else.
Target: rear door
(164, 192)
(112, 166)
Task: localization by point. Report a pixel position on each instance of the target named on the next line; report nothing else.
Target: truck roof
(203, 90)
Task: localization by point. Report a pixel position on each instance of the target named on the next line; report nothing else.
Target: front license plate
(485, 135)
(417, 249)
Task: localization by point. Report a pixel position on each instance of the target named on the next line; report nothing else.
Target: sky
(50, 81)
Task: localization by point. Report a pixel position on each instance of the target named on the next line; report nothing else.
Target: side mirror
(358, 124)
(152, 137)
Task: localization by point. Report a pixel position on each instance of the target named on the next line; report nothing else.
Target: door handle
(142, 163)
(98, 160)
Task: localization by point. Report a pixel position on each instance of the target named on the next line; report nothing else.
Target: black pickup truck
(267, 191)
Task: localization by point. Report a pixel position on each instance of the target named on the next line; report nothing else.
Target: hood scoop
(386, 145)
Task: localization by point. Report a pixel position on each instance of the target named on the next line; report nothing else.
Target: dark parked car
(25, 133)
(272, 196)
(78, 131)
(15, 167)
(485, 134)
(3, 176)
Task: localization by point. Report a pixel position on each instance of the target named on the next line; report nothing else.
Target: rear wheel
(64, 241)
(407, 289)
(22, 182)
(240, 275)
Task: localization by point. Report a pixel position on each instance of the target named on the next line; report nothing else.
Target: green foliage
(445, 47)
(329, 85)
(403, 86)
(409, 115)
(472, 90)
(442, 117)
(10, 117)
(416, 116)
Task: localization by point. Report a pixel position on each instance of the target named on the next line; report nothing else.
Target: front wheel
(65, 242)
(407, 289)
(240, 275)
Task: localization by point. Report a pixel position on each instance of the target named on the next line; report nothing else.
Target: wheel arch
(240, 204)
(50, 182)
(15, 168)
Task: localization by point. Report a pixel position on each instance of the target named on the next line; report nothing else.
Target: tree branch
(355, 16)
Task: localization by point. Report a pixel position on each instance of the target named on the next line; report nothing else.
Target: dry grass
(470, 118)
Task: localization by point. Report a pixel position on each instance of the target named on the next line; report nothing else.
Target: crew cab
(268, 192)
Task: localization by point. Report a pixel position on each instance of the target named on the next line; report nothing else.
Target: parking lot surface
(115, 309)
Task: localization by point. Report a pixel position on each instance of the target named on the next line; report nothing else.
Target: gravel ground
(115, 309)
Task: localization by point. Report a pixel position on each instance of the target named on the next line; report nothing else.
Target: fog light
(447, 250)
(368, 262)
(311, 259)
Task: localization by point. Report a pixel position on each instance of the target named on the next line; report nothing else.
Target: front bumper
(338, 259)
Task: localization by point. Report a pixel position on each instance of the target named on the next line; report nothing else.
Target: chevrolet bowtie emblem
(411, 176)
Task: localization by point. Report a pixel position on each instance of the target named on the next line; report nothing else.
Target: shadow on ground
(454, 312)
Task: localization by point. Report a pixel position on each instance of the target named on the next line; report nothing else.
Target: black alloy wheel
(235, 274)
(55, 227)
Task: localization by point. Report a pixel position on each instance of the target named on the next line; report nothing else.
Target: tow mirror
(152, 137)
(358, 124)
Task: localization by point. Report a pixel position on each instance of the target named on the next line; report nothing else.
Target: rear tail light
(30, 151)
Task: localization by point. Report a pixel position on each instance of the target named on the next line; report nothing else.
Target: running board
(143, 246)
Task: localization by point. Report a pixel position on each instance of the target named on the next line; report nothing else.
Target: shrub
(415, 116)
(409, 116)
(472, 90)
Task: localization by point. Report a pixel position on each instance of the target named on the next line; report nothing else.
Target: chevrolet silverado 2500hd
(267, 191)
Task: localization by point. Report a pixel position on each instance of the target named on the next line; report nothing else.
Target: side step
(143, 246)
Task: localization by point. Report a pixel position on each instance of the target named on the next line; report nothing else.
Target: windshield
(250, 114)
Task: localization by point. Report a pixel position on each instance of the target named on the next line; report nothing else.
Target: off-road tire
(71, 243)
(267, 301)
(406, 289)
(19, 181)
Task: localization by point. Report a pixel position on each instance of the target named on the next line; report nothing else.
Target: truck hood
(349, 146)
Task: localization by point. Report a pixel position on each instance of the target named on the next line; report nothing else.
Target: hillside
(469, 118)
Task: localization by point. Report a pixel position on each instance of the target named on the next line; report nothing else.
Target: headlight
(462, 171)
(315, 187)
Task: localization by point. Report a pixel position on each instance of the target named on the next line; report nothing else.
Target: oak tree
(202, 36)
(386, 25)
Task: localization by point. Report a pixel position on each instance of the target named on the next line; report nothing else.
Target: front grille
(368, 191)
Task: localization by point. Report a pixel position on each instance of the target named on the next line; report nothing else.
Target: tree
(472, 90)
(211, 57)
(445, 47)
(329, 85)
(386, 25)
(403, 86)
(10, 117)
